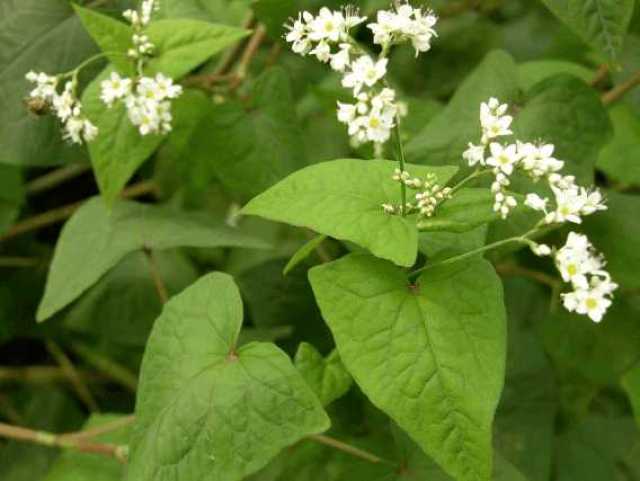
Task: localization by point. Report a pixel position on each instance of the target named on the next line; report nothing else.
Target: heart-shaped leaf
(209, 410)
(431, 355)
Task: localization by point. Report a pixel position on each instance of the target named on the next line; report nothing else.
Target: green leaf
(631, 384)
(29, 28)
(304, 252)
(258, 144)
(622, 250)
(445, 138)
(96, 239)
(112, 36)
(183, 44)
(602, 24)
(206, 409)
(534, 71)
(229, 12)
(77, 466)
(619, 158)
(11, 195)
(122, 306)
(565, 111)
(119, 149)
(432, 356)
(448, 244)
(343, 199)
(327, 376)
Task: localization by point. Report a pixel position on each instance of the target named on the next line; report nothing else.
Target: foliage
(207, 275)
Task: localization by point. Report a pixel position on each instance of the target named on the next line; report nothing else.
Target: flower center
(591, 303)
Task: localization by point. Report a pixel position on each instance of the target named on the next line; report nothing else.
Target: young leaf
(206, 409)
(327, 376)
(77, 466)
(96, 239)
(343, 199)
(445, 138)
(39, 35)
(119, 150)
(431, 355)
(112, 36)
(183, 44)
(602, 24)
(302, 253)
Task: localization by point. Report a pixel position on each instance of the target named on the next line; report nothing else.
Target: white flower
(378, 126)
(45, 85)
(538, 160)
(535, 202)
(474, 154)
(405, 24)
(114, 88)
(322, 51)
(65, 103)
(340, 61)
(165, 87)
(346, 112)
(327, 25)
(352, 17)
(503, 158)
(364, 71)
(384, 28)
(90, 131)
(589, 302)
(569, 204)
(594, 202)
(493, 121)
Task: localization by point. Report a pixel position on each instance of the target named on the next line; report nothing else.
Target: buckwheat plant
(147, 99)
(375, 113)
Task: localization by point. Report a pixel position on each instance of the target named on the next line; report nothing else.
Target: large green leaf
(343, 199)
(432, 355)
(616, 233)
(532, 72)
(602, 24)
(207, 410)
(11, 195)
(122, 306)
(327, 376)
(77, 466)
(119, 150)
(619, 159)
(445, 138)
(631, 384)
(96, 239)
(112, 36)
(467, 210)
(255, 145)
(230, 12)
(28, 28)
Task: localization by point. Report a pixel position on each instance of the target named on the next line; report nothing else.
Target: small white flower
(322, 51)
(569, 204)
(327, 25)
(535, 202)
(364, 72)
(594, 202)
(114, 88)
(346, 112)
(340, 61)
(474, 155)
(503, 158)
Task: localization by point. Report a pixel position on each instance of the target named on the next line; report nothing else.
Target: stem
(64, 441)
(56, 177)
(161, 288)
(107, 366)
(62, 213)
(347, 448)
(248, 55)
(466, 255)
(20, 261)
(401, 159)
(42, 375)
(474, 175)
(619, 91)
(72, 374)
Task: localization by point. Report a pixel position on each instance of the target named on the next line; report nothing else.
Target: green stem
(401, 158)
(474, 175)
(452, 260)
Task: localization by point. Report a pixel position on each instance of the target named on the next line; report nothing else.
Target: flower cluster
(139, 19)
(374, 113)
(579, 265)
(571, 202)
(66, 105)
(428, 197)
(404, 24)
(147, 102)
